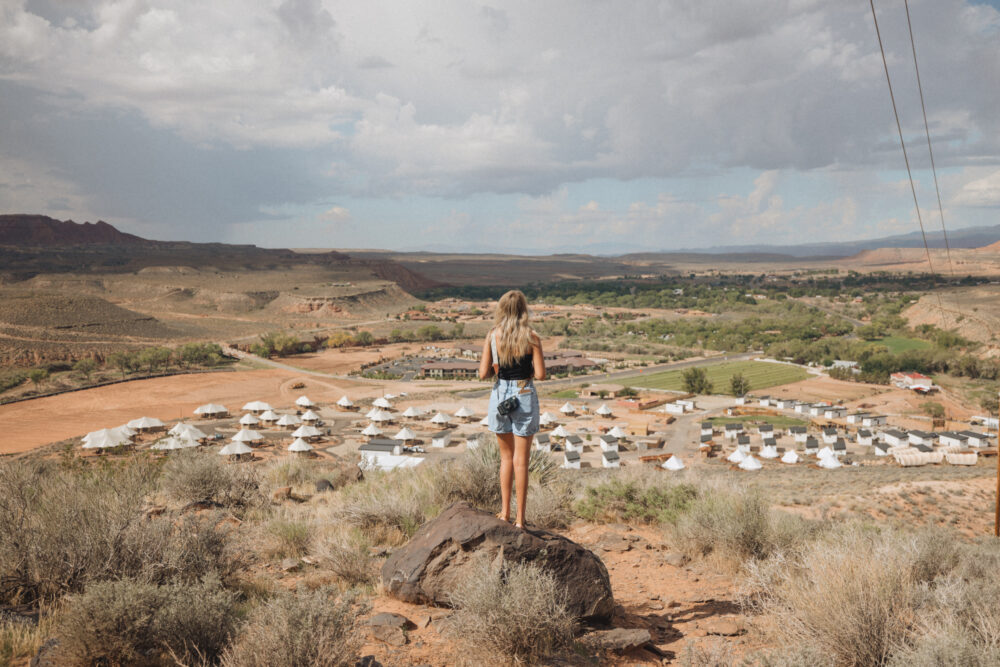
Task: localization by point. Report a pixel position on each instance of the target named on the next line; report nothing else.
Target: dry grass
(287, 536)
(129, 622)
(514, 614)
(346, 553)
(193, 476)
(299, 629)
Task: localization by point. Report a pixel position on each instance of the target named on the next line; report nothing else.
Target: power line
(902, 143)
(930, 151)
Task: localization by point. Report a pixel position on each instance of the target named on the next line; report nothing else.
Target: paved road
(627, 373)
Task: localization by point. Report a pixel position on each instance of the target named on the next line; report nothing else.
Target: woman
(518, 360)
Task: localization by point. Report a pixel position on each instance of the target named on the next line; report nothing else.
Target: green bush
(291, 630)
(516, 613)
(628, 500)
(128, 622)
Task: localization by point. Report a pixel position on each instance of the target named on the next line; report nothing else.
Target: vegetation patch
(899, 344)
(758, 374)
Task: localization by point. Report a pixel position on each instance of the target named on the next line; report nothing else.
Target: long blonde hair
(510, 325)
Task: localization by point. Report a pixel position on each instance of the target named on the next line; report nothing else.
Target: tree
(364, 338)
(122, 361)
(85, 367)
(933, 409)
(339, 338)
(458, 330)
(38, 376)
(696, 381)
(739, 385)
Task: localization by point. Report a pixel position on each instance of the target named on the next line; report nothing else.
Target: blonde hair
(510, 325)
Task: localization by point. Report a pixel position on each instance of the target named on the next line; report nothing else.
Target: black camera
(508, 405)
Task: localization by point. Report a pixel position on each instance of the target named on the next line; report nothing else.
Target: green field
(774, 420)
(760, 374)
(898, 344)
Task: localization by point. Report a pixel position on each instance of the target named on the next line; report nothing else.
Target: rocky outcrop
(446, 549)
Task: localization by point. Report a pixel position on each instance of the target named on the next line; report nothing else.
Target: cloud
(983, 192)
(337, 214)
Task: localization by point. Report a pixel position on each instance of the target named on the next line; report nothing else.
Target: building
(610, 459)
(874, 420)
(574, 443)
(441, 439)
(542, 442)
(571, 460)
(766, 430)
(733, 430)
(812, 444)
(784, 404)
(602, 391)
(856, 417)
(829, 436)
(765, 401)
(609, 443)
(895, 438)
(834, 412)
(953, 439)
(674, 408)
(978, 440)
(915, 381)
(378, 447)
(839, 447)
(865, 437)
(743, 443)
(800, 433)
(450, 368)
(922, 438)
(706, 429)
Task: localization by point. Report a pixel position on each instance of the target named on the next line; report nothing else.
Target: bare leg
(506, 442)
(522, 446)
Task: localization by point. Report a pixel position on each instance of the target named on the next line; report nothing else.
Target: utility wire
(930, 151)
(906, 158)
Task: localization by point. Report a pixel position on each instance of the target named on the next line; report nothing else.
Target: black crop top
(521, 369)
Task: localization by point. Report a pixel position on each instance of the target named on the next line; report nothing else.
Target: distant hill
(41, 230)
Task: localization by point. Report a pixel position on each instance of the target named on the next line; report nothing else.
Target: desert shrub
(398, 500)
(291, 472)
(738, 525)
(347, 555)
(617, 499)
(127, 621)
(196, 476)
(550, 505)
(287, 536)
(851, 594)
(21, 639)
(299, 629)
(516, 612)
(947, 648)
(62, 528)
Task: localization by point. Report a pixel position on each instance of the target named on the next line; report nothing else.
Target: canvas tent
(211, 410)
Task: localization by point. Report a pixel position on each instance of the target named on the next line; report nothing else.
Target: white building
(865, 437)
(922, 438)
(609, 443)
(571, 460)
(895, 438)
(610, 459)
(542, 442)
(799, 433)
(441, 439)
(874, 420)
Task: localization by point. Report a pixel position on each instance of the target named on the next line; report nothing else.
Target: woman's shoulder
(535, 338)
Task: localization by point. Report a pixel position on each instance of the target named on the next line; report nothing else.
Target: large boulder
(427, 569)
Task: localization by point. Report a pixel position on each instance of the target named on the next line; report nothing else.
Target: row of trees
(696, 381)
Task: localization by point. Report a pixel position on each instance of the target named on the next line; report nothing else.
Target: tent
(464, 412)
(247, 435)
(345, 402)
(269, 416)
(389, 397)
(485, 421)
(673, 463)
(187, 431)
(249, 420)
(559, 432)
(374, 411)
(824, 453)
(306, 431)
(382, 403)
(604, 410)
(750, 463)
(618, 432)
(104, 438)
(736, 457)
(304, 402)
(310, 416)
(567, 408)
(830, 462)
(768, 452)
(256, 406)
(546, 419)
(235, 449)
(174, 442)
(211, 409)
(790, 457)
(289, 420)
(440, 418)
(405, 434)
(382, 416)
(371, 431)
(300, 445)
(144, 423)
(413, 412)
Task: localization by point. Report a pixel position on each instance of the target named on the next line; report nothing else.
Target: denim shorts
(522, 421)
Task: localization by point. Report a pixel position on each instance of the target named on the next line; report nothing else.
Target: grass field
(760, 374)
(774, 420)
(898, 344)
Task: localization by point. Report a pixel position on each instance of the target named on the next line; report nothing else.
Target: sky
(520, 126)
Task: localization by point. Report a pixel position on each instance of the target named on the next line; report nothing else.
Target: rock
(391, 620)
(613, 542)
(447, 548)
(655, 605)
(368, 661)
(724, 627)
(282, 493)
(675, 558)
(618, 639)
(389, 635)
(424, 620)
(323, 486)
(291, 565)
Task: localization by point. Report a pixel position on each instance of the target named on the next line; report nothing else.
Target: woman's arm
(486, 360)
(537, 357)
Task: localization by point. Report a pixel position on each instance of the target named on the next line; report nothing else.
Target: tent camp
(673, 463)
(300, 446)
(304, 402)
(405, 435)
(371, 431)
(249, 420)
(310, 416)
(345, 402)
(440, 418)
(289, 420)
(604, 410)
(256, 406)
(187, 431)
(269, 416)
(247, 435)
(235, 449)
(145, 423)
(381, 402)
(211, 410)
(464, 412)
(306, 431)
(567, 408)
